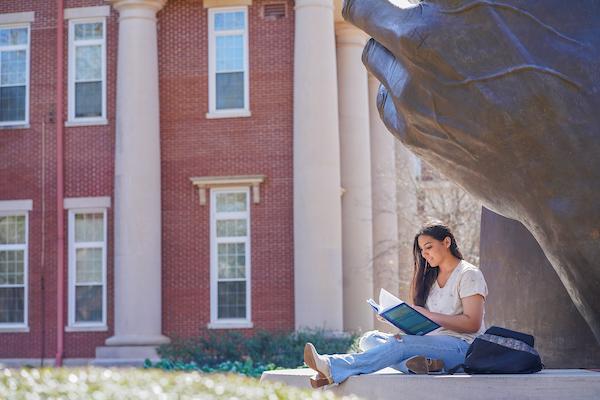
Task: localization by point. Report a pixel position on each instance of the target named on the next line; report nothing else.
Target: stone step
(550, 384)
(128, 353)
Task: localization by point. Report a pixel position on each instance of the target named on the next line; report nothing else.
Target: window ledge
(14, 329)
(17, 18)
(226, 3)
(15, 126)
(230, 325)
(91, 122)
(205, 182)
(94, 328)
(228, 114)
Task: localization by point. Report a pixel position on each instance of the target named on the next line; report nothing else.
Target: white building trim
(206, 182)
(17, 18)
(72, 119)
(215, 321)
(87, 12)
(27, 48)
(23, 326)
(16, 205)
(87, 202)
(225, 3)
(72, 264)
(213, 112)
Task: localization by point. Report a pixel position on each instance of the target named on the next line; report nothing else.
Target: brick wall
(191, 146)
(28, 171)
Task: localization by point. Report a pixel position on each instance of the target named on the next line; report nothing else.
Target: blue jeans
(381, 350)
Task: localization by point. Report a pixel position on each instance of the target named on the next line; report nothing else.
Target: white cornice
(119, 5)
(206, 182)
(86, 202)
(16, 205)
(226, 3)
(17, 18)
(87, 12)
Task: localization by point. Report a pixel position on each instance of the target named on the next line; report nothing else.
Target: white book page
(387, 301)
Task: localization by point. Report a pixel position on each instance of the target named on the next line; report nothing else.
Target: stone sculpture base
(527, 295)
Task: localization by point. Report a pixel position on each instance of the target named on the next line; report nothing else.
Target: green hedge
(248, 367)
(263, 349)
(130, 383)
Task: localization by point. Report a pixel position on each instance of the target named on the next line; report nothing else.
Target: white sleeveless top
(464, 281)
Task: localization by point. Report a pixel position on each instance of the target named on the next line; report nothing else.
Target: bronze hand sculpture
(503, 97)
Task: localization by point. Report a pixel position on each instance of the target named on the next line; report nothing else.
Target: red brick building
(200, 172)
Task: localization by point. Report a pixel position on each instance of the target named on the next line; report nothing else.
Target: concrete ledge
(388, 383)
(128, 354)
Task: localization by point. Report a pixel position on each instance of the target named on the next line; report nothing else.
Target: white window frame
(229, 323)
(212, 65)
(24, 326)
(73, 44)
(73, 246)
(27, 48)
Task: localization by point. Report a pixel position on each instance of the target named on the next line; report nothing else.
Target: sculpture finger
(396, 91)
(392, 120)
(384, 21)
(380, 62)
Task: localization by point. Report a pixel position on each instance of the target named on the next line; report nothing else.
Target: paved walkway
(551, 384)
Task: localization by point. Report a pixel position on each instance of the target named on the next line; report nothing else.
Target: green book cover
(401, 315)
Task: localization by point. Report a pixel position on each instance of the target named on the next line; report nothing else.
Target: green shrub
(248, 367)
(130, 383)
(282, 349)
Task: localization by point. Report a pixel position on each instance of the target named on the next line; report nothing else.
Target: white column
(317, 208)
(357, 215)
(137, 182)
(385, 218)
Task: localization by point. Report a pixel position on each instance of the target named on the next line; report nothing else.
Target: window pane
(88, 266)
(231, 227)
(12, 305)
(12, 103)
(232, 260)
(12, 68)
(88, 63)
(10, 37)
(231, 300)
(229, 20)
(12, 267)
(88, 31)
(230, 53)
(230, 90)
(228, 202)
(88, 99)
(88, 304)
(12, 229)
(89, 227)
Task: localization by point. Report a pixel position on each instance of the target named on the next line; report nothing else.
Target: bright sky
(403, 3)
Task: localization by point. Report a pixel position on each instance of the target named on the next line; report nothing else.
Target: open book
(401, 315)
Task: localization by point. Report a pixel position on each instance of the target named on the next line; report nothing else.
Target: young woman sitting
(445, 288)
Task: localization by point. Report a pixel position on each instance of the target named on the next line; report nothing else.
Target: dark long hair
(424, 275)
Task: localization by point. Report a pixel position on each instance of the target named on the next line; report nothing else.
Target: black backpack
(501, 351)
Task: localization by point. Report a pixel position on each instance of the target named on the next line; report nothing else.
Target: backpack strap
(453, 370)
(507, 333)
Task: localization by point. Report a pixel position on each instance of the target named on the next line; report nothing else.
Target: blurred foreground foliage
(135, 383)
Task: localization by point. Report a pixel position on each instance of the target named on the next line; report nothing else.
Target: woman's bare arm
(467, 322)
